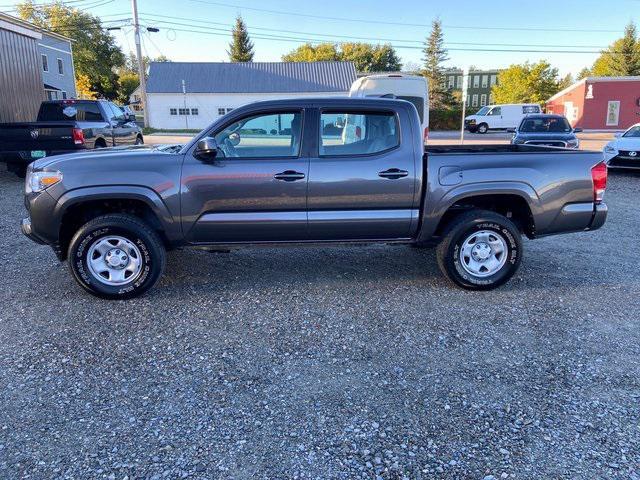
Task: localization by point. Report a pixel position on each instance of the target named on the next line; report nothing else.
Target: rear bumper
(24, 157)
(599, 216)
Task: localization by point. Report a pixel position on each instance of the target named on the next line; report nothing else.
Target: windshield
(545, 125)
(633, 132)
(483, 111)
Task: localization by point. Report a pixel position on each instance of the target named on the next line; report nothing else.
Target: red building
(599, 103)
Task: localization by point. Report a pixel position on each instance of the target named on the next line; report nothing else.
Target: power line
(403, 24)
(284, 38)
(152, 18)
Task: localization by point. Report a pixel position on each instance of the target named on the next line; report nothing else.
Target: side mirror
(511, 130)
(206, 149)
(617, 134)
(130, 117)
(577, 130)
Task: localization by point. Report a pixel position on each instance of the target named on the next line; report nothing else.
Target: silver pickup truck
(322, 171)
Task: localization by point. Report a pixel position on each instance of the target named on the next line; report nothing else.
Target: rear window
(530, 109)
(418, 102)
(80, 111)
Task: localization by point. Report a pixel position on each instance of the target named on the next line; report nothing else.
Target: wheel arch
(77, 207)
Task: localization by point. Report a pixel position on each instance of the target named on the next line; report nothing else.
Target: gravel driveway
(326, 363)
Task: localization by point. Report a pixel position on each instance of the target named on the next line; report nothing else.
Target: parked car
(624, 151)
(65, 126)
(113, 219)
(546, 129)
(412, 88)
(499, 117)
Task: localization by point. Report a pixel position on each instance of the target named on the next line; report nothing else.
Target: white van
(412, 88)
(499, 117)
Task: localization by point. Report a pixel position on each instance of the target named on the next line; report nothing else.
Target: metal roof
(251, 77)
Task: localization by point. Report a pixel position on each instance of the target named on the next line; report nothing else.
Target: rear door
(361, 182)
(256, 188)
(123, 132)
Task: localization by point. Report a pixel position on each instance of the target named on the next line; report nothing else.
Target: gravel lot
(326, 363)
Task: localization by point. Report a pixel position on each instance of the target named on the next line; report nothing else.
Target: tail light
(599, 177)
(426, 133)
(78, 136)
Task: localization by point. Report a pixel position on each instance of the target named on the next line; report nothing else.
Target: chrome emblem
(34, 134)
(633, 154)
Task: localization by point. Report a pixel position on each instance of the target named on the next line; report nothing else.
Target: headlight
(38, 181)
(610, 149)
(573, 143)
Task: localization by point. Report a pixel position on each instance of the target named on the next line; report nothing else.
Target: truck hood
(546, 136)
(129, 152)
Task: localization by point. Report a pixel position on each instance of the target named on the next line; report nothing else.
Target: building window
(613, 113)
(474, 101)
(60, 67)
(64, 95)
(491, 99)
(221, 111)
(173, 111)
(483, 99)
(452, 81)
(194, 111)
(45, 63)
(183, 111)
(459, 82)
(485, 81)
(476, 81)
(468, 99)
(494, 80)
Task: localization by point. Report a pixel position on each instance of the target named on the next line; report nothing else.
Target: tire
(99, 144)
(116, 236)
(480, 233)
(139, 141)
(482, 128)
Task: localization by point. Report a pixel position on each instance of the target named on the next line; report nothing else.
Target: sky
(279, 26)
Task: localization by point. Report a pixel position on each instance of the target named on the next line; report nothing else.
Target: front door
(362, 179)
(256, 188)
(123, 132)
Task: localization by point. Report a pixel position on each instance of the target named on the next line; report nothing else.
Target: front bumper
(624, 161)
(27, 231)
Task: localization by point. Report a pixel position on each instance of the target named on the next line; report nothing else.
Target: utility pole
(184, 104)
(465, 86)
(141, 72)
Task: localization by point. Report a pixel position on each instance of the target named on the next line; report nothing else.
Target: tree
(622, 58)
(95, 53)
(308, 53)
(565, 82)
(241, 48)
(585, 72)
(83, 87)
(527, 83)
(435, 55)
(365, 56)
(128, 83)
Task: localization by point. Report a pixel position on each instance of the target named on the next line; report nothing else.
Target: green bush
(442, 119)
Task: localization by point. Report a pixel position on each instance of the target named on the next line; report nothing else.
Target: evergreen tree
(241, 48)
(435, 54)
(622, 58)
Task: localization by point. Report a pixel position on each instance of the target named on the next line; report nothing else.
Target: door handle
(393, 173)
(289, 176)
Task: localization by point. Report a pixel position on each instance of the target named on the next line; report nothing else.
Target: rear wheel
(483, 128)
(116, 256)
(480, 250)
(139, 140)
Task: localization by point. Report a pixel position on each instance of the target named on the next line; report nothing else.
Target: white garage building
(186, 95)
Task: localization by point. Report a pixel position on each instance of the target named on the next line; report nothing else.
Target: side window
(495, 111)
(352, 133)
(266, 135)
(118, 114)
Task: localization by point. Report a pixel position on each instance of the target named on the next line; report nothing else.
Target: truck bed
(497, 148)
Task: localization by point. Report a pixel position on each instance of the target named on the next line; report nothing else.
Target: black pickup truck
(66, 126)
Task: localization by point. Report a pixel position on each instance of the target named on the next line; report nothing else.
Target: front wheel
(139, 141)
(480, 250)
(116, 256)
(483, 128)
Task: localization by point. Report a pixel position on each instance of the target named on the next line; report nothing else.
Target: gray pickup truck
(301, 171)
